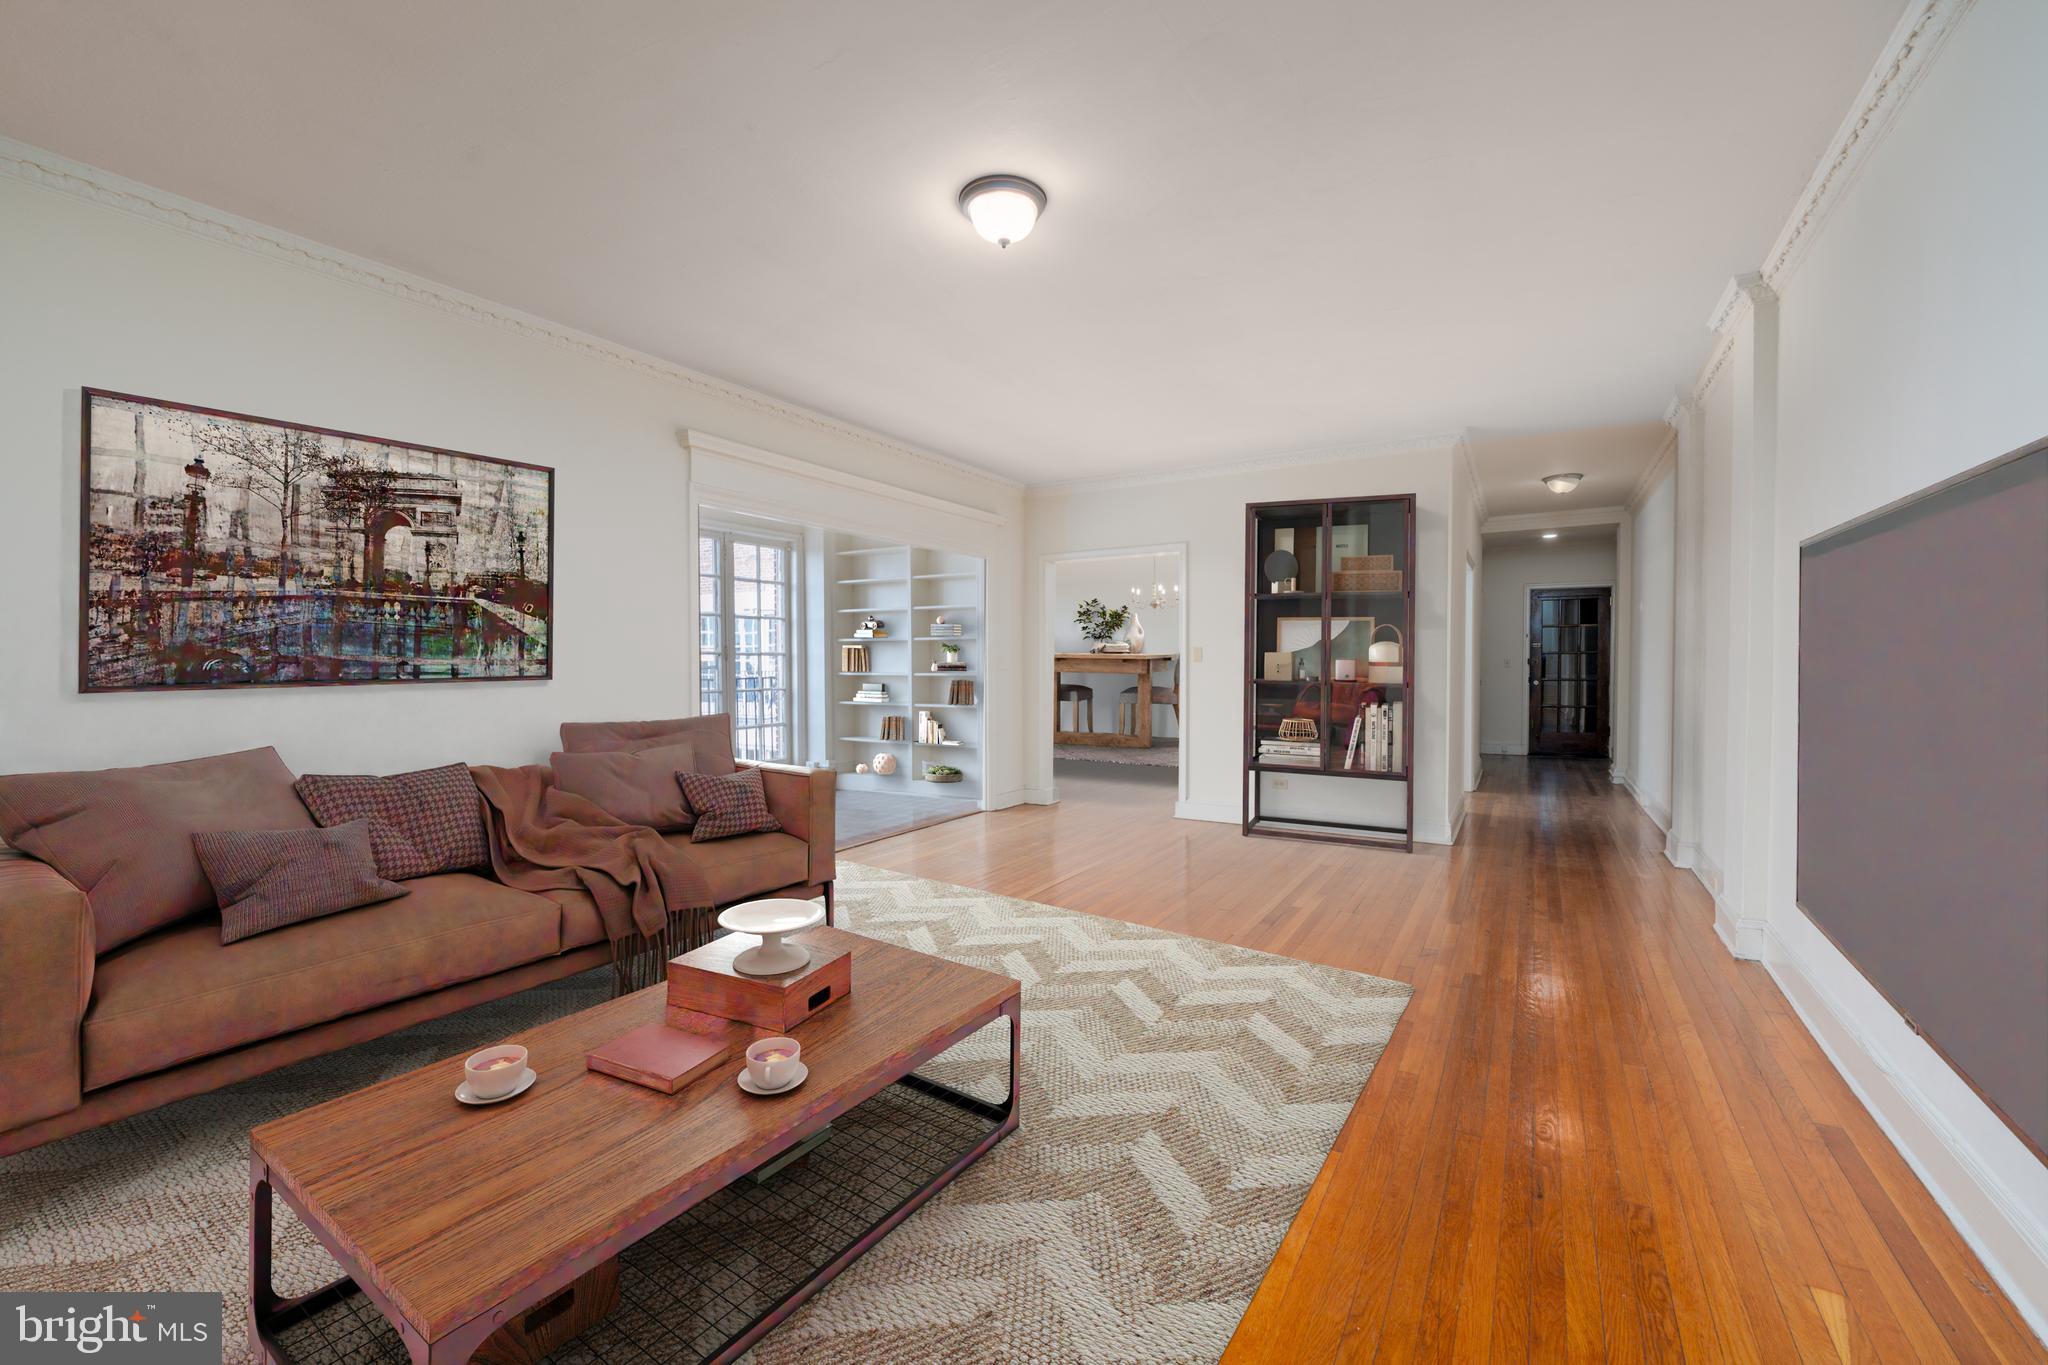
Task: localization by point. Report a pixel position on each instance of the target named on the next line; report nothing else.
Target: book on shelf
(960, 692)
(1375, 742)
(949, 668)
(872, 692)
(948, 630)
(853, 658)
(892, 727)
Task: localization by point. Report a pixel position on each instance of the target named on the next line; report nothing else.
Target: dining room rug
(1179, 1097)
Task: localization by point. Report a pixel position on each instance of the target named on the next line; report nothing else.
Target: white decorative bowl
(771, 919)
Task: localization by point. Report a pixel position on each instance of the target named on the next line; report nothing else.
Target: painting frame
(88, 685)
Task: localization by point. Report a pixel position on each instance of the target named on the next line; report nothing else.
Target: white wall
(1511, 569)
(1902, 345)
(94, 295)
(1077, 580)
(1652, 561)
(1206, 512)
(1912, 347)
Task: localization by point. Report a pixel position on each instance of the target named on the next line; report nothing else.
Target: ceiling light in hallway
(1562, 483)
(1550, 535)
(1003, 208)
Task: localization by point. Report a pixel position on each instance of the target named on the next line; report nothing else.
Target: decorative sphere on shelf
(885, 764)
(860, 767)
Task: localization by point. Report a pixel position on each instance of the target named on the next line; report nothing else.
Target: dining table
(1143, 666)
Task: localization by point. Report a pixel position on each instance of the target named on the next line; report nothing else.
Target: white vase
(1136, 635)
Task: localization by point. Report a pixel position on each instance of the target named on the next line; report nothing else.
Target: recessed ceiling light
(1562, 483)
(1003, 208)
(1550, 535)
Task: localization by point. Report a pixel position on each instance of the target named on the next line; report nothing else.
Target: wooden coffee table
(456, 1220)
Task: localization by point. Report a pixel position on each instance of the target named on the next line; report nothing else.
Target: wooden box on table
(705, 993)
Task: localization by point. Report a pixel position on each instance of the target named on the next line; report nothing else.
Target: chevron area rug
(1179, 1097)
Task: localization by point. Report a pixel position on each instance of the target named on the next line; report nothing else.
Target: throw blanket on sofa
(653, 900)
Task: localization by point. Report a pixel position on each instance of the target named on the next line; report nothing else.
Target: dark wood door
(1569, 630)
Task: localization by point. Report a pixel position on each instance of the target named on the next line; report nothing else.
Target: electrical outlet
(1195, 655)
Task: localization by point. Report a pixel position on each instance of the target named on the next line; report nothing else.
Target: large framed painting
(220, 550)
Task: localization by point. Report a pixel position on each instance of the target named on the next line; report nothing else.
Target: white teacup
(772, 1062)
(495, 1070)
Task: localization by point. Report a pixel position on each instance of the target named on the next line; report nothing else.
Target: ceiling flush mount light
(1003, 208)
(1550, 535)
(1562, 483)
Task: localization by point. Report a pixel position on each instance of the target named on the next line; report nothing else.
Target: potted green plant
(941, 772)
(1100, 623)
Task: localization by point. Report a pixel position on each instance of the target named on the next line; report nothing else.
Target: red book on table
(659, 1057)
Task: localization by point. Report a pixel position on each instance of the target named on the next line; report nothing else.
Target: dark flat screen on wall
(1923, 769)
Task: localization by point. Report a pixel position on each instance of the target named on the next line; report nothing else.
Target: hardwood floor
(1595, 1134)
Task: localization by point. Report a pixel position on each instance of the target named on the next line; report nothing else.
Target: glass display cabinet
(1329, 670)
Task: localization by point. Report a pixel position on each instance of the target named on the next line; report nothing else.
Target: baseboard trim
(1998, 1226)
(1678, 852)
(1216, 812)
(1659, 817)
(1023, 796)
(1458, 815)
(1744, 938)
(1503, 749)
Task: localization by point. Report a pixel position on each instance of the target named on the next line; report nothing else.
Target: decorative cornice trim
(1664, 462)
(703, 443)
(1551, 521)
(1410, 446)
(1906, 57)
(49, 171)
(1741, 295)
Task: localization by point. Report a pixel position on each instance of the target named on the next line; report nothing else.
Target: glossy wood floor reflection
(1595, 1135)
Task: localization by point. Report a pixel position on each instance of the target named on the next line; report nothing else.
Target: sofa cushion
(180, 993)
(711, 736)
(749, 865)
(723, 806)
(420, 822)
(267, 879)
(124, 835)
(582, 925)
(635, 786)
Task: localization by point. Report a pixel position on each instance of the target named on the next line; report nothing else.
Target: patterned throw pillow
(420, 823)
(726, 805)
(266, 879)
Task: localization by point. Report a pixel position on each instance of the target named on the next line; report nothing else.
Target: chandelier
(1158, 595)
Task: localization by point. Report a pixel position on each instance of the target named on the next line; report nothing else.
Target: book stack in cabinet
(1329, 674)
(908, 622)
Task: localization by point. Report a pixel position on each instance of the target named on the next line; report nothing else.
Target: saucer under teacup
(747, 1082)
(525, 1084)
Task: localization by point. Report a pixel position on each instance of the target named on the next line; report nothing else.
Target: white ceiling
(1511, 468)
(1273, 227)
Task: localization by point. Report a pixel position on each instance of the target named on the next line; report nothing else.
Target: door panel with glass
(745, 636)
(1568, 671)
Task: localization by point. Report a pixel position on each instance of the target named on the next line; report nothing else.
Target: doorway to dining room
(1116, 624)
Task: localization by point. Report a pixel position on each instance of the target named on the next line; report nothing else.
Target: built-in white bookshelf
(924, 600)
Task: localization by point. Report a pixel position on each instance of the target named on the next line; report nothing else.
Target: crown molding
(704, 443)
(1741, 296)
(1555, 521)
(1908, 54)
(49, 171)
(1664, 462)
(1331, 455)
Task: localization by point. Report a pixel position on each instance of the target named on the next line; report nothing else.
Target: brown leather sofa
(87, 1037)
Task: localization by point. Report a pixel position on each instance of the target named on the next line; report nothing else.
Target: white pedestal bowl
(771, 919)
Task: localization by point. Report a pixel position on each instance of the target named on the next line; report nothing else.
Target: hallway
(1595, 1134)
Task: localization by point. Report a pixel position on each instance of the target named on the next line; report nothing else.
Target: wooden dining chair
(1127, 701)
(1080, 695)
